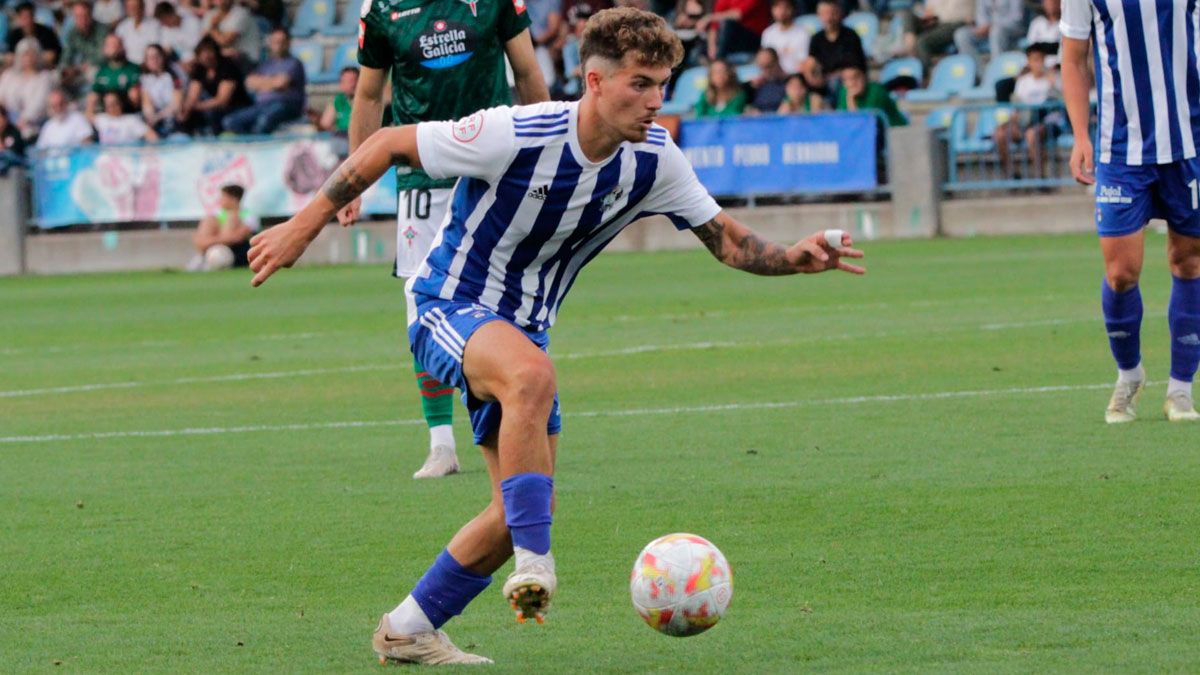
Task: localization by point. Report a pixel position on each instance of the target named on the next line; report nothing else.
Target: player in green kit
(446, 59)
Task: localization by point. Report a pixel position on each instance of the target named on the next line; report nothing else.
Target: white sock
(409, 619)
(1132, 375)
(1174, 385)
(442, 434)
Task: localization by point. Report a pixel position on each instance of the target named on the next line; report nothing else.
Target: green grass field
(909, 472)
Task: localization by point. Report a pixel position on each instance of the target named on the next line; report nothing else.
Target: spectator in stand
(25, 87)
(735, 27)
(66, 126)
(545, 27)
(119, 124)
(934, 32)
(798, 99)
(1043, 30)
(789, 39)
(998, 24)
(180, 33)
(336, 116)
(857, 93)
(235, 31)
(724, 96)
(137, 31)
(83, 52)
(577, 16)
(277, 85)
(214, 90)
(687, 17)
(832, 50)
(27, 27)
(108, 12)
(771, 82)
(223, 239)
(1036, 86)
(117, 74)
(12, 145)
(162, 96)
(272, 12)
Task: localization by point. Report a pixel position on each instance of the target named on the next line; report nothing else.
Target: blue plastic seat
(347, 23)
(747, 72)
(688, 87)
(345, 55)
(940, 118)
(1001, 66)
(905, 65)
(951, 75)
(980, 139)
(866, 25)
(810, 23)
(313, 16)
(312, 55)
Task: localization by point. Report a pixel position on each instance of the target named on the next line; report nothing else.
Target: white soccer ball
(681, 584)
(218, 257)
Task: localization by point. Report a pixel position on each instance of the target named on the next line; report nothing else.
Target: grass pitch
(907, 472)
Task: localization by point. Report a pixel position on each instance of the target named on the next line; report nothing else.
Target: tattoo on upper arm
(344, 185)
(711, 235)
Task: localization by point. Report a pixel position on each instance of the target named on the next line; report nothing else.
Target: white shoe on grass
(1122, 406)
(531, 586)
(442, 461)
(428, 649)
(1179, 408)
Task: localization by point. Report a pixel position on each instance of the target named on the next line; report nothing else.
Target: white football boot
(1179, 408)
(531, 586)
(429, 649)
(442, 461)
(1122, 406)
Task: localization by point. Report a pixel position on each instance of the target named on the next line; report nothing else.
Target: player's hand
(280, 246)
(350, 212)
(813, 254)
(1082, 167)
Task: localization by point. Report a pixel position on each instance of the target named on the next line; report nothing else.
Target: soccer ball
(218, 257)
(681, 584)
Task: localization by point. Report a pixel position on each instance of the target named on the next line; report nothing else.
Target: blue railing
(1038, 152)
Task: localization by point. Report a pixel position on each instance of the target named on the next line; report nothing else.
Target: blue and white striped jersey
(1147, 76)
(530, 209)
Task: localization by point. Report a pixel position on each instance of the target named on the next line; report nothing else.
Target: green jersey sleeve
(512, 20)
(374, 45)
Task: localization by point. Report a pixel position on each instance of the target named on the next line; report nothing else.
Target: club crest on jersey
(471, 4)
(467, 129)
(410, 235)
(519, 5)
(611, 198)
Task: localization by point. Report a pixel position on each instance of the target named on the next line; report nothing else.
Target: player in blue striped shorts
(1148, 131)
(541, 190)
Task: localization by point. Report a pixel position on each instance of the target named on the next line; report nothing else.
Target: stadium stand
(1001, 66)
(313, 16)
(902, 66)
(866, 25)
(810, 23)
(953, 74)
(688, 87)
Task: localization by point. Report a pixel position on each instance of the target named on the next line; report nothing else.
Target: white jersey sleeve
(678, 194)
(1076, 20)
(479, 145)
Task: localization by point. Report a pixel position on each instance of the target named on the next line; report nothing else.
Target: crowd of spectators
(211, 67)
(121, 71)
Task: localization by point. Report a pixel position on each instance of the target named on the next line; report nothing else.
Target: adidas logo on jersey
(1191, 340)
(540, 193)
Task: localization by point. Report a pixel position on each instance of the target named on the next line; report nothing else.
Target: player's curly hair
(613, 33)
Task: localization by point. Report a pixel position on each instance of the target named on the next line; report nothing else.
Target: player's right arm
(283, 244)
(741, 248)
(366, 116)
(1076, 31)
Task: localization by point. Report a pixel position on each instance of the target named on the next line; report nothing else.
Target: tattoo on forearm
(344, 185)
(744, 250)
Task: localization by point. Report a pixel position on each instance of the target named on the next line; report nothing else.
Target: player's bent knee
(1122, 279)
(531, 382)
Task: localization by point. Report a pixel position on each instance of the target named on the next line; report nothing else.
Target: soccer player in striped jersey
(1148, 130)
(543, 188)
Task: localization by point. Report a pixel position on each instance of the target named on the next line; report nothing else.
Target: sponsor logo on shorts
(1112, 195)
(1118, 334)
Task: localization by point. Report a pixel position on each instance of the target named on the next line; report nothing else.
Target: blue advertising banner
(783, 154)
(181, 181)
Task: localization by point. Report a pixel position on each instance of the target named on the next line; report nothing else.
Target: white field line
(148, 344)
(635, 412)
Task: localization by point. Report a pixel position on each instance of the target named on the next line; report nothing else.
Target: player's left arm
(282, 245)
(527, 75)
(741, 248)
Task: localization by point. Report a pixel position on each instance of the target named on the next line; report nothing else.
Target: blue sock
(446, 589)
(1123, 320)
(527, 510)
(1183, 315)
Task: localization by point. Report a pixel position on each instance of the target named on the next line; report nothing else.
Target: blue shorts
(1128, 196)
(438, 337)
